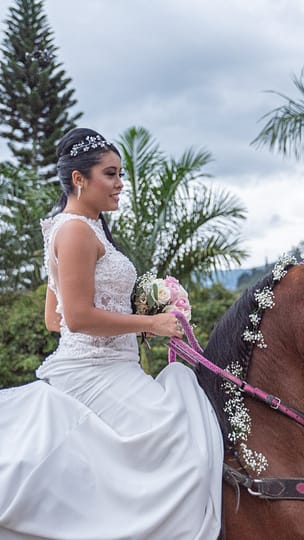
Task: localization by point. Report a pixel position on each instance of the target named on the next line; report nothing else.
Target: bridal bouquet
(155, 295)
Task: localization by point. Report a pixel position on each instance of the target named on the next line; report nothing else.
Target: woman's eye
(114, 173)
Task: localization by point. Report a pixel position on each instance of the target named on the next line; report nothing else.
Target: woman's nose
(119, 182)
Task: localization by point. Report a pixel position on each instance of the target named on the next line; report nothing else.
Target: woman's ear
(77, 179)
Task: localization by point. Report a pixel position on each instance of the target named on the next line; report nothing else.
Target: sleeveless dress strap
(50, 227)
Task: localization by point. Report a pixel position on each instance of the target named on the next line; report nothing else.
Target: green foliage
(208, 305)
(34, 90)
(171, 222)
(24, 340)
(283, 130)
(25, 198)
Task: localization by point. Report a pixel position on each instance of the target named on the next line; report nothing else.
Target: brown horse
(278, 369)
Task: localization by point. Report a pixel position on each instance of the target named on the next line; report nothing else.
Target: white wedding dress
(97, 449)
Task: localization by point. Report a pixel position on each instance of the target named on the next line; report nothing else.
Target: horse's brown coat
(279, 370)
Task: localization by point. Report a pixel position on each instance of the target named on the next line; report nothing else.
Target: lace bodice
(115, 276)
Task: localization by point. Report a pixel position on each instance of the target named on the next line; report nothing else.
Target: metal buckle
(255, 493)
(242, 387)
(277, 404)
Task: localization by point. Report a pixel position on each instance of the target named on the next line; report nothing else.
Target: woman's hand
(166, 324)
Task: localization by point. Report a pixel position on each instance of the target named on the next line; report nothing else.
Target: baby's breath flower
(235, 408)
(264, 298)
(254, 336)
(255, 319)
(279, 269)
(254, 460)
(240, 421)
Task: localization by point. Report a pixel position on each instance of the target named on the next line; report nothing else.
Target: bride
(96, 449)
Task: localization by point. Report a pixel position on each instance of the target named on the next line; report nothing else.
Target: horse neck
(280, 365)
(279, 370)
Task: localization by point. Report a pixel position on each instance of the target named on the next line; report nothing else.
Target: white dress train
(99, 450)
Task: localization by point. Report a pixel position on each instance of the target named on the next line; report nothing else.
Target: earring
(78, 192)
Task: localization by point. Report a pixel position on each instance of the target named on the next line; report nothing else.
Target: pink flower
(181, 304)
(182, 292)
(174, 286)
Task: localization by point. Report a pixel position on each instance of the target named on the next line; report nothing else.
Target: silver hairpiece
(91, 142)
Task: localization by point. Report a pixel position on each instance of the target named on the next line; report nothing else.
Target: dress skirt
(106, 452)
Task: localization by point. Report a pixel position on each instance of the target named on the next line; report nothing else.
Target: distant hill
(229, 278)
(240, 278)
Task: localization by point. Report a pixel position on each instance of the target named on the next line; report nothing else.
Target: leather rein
(264, 488)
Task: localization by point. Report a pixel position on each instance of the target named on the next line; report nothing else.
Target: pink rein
(193, 354)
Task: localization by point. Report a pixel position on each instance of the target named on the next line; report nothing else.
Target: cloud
(275, 215)
(276, 220)
(193, 68)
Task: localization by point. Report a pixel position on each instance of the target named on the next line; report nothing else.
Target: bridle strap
(194, 355)
(266, 488)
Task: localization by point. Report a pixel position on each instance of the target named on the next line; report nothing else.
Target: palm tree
(171, 222)
(284, 129)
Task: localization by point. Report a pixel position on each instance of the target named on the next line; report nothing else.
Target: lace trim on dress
(46, 227)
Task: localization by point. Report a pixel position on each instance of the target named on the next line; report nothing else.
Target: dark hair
(82, 162)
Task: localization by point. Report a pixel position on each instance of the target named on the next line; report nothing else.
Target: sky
(196, 73)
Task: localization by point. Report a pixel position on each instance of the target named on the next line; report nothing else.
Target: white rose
(163, 293)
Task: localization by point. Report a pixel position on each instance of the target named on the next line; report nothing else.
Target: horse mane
(226, 345)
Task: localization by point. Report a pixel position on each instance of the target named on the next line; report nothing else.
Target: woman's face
(101, 191)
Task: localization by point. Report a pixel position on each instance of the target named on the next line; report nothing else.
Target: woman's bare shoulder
(75, 227)
(75, 234)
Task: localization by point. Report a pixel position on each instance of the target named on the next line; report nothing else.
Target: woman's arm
(77, 252)
(52, 318)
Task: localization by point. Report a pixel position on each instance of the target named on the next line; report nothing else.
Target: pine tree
(35, 94)
(22, 206)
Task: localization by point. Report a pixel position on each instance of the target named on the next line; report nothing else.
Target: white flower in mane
(254, 336)
(256, 461)
(264, 298)
(240, 421)
(235, 408)
(255, 319)
(279, 269)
